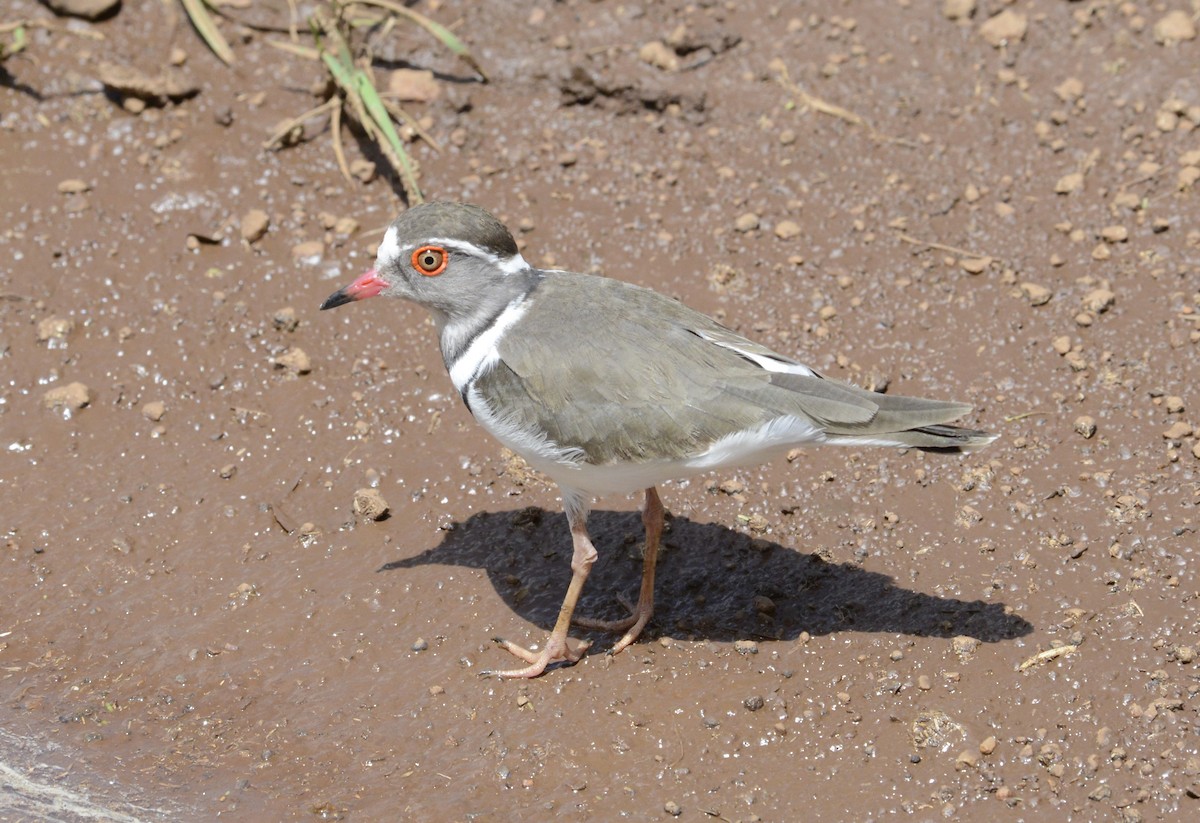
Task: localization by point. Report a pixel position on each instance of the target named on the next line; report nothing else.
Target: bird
(608, 387)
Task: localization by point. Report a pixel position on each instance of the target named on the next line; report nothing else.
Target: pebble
(924, 683)
(73, 186)
(1174, 404)
(1177, 431)
(1174, 27)
(294, 360)
(227, 471)
(975, 265)
(672, 808)
(72, 396)
(1085, 426)
(285, 319)
(414, 85)
(787, 229)
(657, 54)
(1036, 295)
(1006, 27)
(746, 222)
(965, 760)
(753, 703)
(154, 410)
(732, 486)
(964, 646)
(988, 745)
(1069, 183)
(1114, 234)
(1062, 344)
(255, 224)
(54, 328)
(1099, 301)
(309, 251)
(420, 645)
(87, 9)
(745, 647)
(369, 503)
(958, 9)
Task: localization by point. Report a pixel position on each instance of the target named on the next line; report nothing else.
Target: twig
(286, 128)
(1048, 654)
(834, 110)
(1022, 416)
(916, 241)
(335, 126)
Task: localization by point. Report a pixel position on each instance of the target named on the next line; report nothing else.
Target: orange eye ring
(430, 260)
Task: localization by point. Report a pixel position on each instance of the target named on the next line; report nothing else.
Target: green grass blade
(197, 12)
(383, 120)
(443, 34)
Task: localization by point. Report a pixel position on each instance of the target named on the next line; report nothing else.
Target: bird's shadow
(711, 582)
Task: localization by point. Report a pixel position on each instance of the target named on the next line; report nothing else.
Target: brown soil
(196, 622)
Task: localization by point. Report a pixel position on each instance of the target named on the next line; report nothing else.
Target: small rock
(1069, 183)
(659, 55)
(1035, 294)
(255, 225)
(764, 605)
(54, 328)
(1185, 654)
(363, 170)
(1069, 90)
(227, 471)
(1173, 27)
(1174, 404)
(73, 186)
(309, 251)
(345, 226)
(958, 9)
(965, 760)
(420, 644)
(753, 703)
(72, 397)
(86, 9)
(964, 646)
(1099, 301)
(745, 647)
(746, 222)
(285, 319)
(975, 265)
(295, 360)
(988, 745)
(732, 486)
(1006, 27)
(369, 503)
(1085, 426)
(786, 229)
(154, 410)
(924, 683)
(1062, 344)
(672, 808)
(1114, 234)
(414, 85)
(1177, 431)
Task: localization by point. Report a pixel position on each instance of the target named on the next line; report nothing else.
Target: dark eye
(430, 260)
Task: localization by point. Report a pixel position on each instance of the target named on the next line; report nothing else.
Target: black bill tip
(338, 298)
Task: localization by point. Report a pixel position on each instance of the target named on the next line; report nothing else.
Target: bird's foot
(555, 651)
(639, 615)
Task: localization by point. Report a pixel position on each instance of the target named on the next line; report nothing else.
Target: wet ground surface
(998, 210)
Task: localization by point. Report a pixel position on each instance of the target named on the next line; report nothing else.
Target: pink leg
(556, 648)
(652, 520)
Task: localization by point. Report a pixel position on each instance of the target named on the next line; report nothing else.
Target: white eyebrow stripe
(507, 265)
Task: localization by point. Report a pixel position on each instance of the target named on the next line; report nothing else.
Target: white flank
(538, 449)
(481, 355)
(751, 446)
